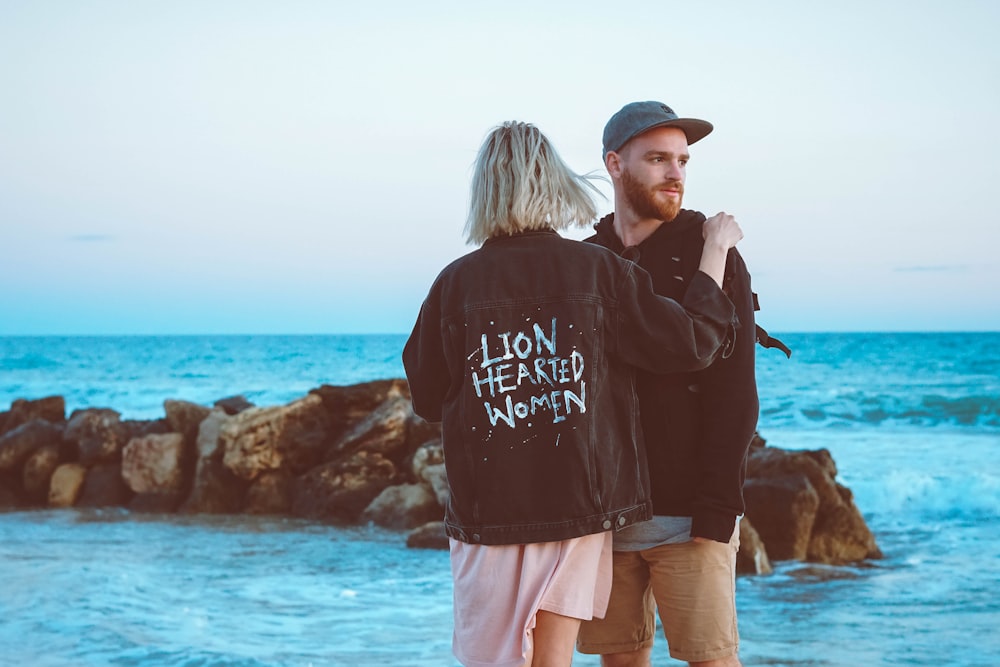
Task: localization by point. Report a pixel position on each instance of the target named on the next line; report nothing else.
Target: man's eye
(683, 162)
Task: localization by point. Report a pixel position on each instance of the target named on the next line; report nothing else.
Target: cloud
(92, 238)
(942, 268)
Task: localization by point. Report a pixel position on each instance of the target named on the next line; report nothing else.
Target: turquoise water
(913, 421)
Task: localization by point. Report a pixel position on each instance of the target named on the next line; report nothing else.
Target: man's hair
(520, 183)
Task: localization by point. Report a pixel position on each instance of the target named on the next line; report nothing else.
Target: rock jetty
(348, 455)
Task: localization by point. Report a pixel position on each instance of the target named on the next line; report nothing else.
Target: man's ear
(613, 163)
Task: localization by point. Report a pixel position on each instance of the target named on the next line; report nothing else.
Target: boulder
(834, 532)
(783, 511)
(18, 445)
(428, 467)
(752, 555)
(184, 417)
(270, 493)
(215, 489)
(156, 502)
(290, 437)
(232, 405)
(10, 492)
(37, 473)
(207, 442)
(97, 434)
(137, 428)
(154, 463)
(431, 453)
(65, 485)
(403, 506)
(104, 487)
(383, 430)
(841, 535)
(428, 536)
(51, 409)
(341, 490)
(350, 404)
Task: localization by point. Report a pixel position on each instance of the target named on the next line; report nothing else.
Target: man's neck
(630, 228)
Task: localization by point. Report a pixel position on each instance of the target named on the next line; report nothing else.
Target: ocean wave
(28, 362)
(973, 496)
(965, 410)
(979, 411)
(924, 477)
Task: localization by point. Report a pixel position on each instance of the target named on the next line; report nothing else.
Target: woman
(524, 350)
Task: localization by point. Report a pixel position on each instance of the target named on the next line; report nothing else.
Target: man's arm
(729, 412)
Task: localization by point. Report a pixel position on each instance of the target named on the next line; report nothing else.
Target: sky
(228, 167)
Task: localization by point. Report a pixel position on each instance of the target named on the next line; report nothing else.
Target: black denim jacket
(526, 350)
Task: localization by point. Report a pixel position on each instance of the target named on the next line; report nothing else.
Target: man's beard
(643, 200)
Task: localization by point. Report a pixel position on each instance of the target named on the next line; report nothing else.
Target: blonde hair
(520, 183)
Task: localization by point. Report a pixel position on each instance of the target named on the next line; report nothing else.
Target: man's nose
(675, 171)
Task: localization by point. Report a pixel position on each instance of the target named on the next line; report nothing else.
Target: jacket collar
(685, 220)
(521, 235)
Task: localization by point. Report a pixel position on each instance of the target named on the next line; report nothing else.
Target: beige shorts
(692, 584)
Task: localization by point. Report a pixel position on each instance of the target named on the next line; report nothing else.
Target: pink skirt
(499, 589)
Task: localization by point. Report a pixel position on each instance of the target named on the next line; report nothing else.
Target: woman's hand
(722, 230)
(721, 233)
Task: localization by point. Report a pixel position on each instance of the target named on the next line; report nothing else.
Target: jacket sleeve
(425, 363)
(659, 335)
(729, 410)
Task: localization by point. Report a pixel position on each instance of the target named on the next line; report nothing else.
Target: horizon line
(403, 333)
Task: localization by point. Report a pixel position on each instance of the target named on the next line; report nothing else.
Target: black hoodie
(698, 425)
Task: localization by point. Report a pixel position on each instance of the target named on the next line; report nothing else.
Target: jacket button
(607, 525)
(475, 537)
(621, 521)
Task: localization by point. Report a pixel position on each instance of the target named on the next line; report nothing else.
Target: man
(697, 426)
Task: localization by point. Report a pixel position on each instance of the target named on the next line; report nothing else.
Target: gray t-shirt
(657, 531)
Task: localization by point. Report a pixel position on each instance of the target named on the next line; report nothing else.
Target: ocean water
(912, 420)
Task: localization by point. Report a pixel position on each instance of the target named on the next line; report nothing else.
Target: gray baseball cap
(638, 117)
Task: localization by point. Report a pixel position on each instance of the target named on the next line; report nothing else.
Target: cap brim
(693, 128)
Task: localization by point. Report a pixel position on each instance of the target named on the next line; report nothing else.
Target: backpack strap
(764, 338)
